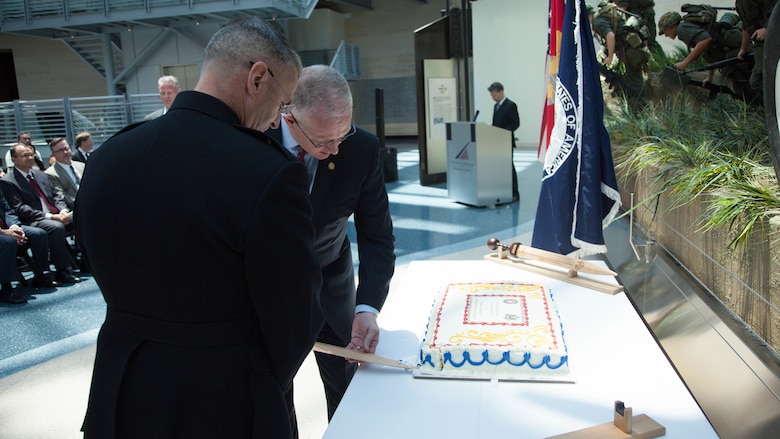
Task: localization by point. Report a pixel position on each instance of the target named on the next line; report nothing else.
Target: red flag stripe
(555, 29)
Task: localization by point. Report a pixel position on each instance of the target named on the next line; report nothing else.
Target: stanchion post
(388, 156)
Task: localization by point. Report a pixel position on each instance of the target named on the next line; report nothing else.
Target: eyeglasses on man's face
(59, 150)
(352, 131)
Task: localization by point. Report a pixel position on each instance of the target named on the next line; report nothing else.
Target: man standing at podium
(505, 116)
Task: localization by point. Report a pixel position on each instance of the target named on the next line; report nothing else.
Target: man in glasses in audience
(38, 204)
(25, 138)
(65, 174)
(345, 178)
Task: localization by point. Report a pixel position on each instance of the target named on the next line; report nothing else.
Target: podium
(479, 163)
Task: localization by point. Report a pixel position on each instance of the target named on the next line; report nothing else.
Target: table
(611, 351)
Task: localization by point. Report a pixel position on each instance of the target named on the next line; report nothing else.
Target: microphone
(475, 116)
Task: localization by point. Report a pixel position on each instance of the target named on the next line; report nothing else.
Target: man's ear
(257, 73)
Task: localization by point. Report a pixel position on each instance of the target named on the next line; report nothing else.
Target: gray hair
(168, 79)
(322, 89)
(250, 39)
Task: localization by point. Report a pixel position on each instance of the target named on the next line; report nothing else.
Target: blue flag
(579, 195)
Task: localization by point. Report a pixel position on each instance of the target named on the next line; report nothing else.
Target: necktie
(75, 175)
(495, 108)
(41, 195)
(302, 156)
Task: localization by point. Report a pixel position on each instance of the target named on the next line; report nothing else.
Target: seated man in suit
(25, 138)
(84, 147)
(37, 204)
(345, 179)
(65, 174)
(13, 235)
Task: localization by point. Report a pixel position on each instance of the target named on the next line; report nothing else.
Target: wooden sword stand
(624, 426)
(572, 265)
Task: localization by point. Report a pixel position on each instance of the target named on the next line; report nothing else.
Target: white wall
(510, 46)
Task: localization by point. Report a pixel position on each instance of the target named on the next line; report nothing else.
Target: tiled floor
(47, 345)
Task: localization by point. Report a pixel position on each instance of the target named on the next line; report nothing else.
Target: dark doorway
(8, 88)
(430, 42)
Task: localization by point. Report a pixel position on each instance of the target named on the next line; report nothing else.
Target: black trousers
(58, 245)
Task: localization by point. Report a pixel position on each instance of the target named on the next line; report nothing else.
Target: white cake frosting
(499, 330)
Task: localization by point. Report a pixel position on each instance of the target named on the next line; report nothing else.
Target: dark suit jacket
(351, 182)
(22, 197)
(7, 213)
(37, 241)
(210, 277)
(79, 156)
(507, 118)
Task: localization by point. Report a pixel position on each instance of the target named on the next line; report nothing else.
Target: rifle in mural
(675, 77)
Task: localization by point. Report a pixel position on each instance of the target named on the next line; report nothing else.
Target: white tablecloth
(612, 353)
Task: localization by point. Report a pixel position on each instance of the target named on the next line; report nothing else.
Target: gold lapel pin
(331, 166)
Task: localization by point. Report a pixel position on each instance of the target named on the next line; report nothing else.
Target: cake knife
(359, 356)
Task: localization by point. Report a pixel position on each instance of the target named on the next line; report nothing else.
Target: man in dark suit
(12, 236)
(84, 143)
(505, 116)
(346, 179)
(212, 284)
(38, 204)
(25, 138)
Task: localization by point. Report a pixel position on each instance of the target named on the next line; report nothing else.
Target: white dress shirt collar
(292, 145)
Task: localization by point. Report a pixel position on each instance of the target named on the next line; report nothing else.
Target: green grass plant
(716, 152)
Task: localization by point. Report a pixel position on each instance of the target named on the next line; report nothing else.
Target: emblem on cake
(504, 330)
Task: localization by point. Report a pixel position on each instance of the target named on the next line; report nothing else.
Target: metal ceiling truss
(74, 18)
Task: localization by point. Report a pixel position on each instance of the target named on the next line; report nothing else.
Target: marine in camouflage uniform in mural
(621, 37)
(755, 16)
(724, 42)
(645, 9)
